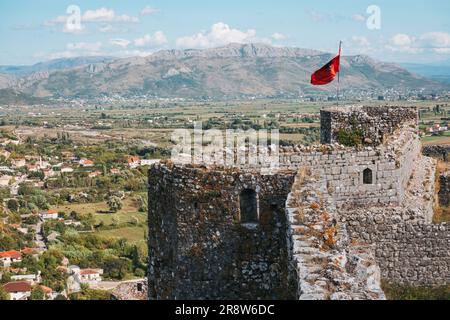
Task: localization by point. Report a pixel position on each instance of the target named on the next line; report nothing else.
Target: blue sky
(409, 31)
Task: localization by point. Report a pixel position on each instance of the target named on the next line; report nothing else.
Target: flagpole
(339, 73)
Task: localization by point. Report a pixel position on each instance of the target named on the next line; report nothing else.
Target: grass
(128, 212)
(403, 292)
(134, 235)
(444, 139)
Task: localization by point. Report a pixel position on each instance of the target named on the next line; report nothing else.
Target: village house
(8, 141)
(94, 174)
(67, 155)
(20, 290)
(4, 180)
(72, 223)
(90, 276)
(66, 169)
(33, 168)
(8, 257)
(133, 161)
(86, 163)
(18, 162)
(48, 292)
(48, 173)
(19, 228)
(53, 236)
(49, 215)
(30, 251)
(31, 278)
(145, 162)
(114, 171)
(85, 276)
(6, 169)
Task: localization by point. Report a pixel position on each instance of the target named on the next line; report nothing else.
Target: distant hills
(53, 65)
(439, 71)
(232, 71)
(14, 97)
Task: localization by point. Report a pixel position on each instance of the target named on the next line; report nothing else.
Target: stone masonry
(329, 224)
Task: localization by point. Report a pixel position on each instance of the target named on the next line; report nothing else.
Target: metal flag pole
(339, 73)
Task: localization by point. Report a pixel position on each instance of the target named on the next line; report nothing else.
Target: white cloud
(220, 34)
(120, 42)
(148, 10)
(102, 15)
(157, 39)
(401, 40)
(106, 15)
(107, 28)
(437, 41)
(361, 41)
(278, 36)
(84, 46)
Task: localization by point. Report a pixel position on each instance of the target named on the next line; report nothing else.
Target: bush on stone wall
(352, 138)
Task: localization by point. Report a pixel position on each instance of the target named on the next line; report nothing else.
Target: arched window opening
(367, 176)
(249, 206)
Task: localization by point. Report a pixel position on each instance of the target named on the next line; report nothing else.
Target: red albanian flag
(328, 72)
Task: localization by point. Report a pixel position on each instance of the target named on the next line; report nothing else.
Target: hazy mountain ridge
(436, 71)
(53, 65)
(231, 71)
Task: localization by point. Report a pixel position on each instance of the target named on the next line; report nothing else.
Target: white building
(49, 215)
(8, 257)
(20, 290)
(32, 278)
(86, 276)
(149, 162)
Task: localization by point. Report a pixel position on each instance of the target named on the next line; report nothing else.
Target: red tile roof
(28, 251)
(89, 271)
(20, 286)
(46, 290)
(11, 254)
(132, 159)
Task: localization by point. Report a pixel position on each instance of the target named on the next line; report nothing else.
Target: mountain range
(233, 71)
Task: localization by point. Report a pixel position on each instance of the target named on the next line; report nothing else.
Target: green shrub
(351, 138)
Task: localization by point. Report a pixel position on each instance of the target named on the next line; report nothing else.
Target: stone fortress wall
(323, 227)
(199, 245)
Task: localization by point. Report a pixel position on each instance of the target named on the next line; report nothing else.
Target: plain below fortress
(329, 224)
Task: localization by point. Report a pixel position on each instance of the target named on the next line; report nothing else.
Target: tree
(13, 205)
(4, 295)
(37, 293)
(116, 268)
(114, 203)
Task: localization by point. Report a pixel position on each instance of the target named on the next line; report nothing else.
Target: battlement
(370, 125)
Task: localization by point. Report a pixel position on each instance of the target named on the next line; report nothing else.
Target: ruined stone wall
(342, 168)
(414, 253)
(374, 123)
(324, 261)
(198, 247)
